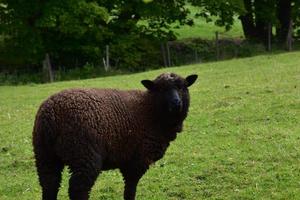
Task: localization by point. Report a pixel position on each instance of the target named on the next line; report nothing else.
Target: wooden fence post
(217, 46)
(106, 59)
(196, 56)
(47, 68)
(269, 48)
(168, 54)
(107, 66)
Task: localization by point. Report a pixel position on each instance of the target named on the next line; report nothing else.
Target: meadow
(202, 29)
(206, 30)
(241, 139)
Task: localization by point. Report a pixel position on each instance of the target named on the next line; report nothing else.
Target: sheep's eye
(179, 86)
(161, 89)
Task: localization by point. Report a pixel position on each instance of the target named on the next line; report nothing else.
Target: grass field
(241, 139)
(205, 30)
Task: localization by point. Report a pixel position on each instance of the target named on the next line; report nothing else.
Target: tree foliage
(256, 15)
(224, 10)
(76, 31)
(61, 28)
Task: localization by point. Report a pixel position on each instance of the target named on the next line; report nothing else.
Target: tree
(296, 17)
(278, 13)
(256, 15)
(35, 28)
(257, 18)
(247, 20)
(73, 32)
(284, 15)
(139, 27)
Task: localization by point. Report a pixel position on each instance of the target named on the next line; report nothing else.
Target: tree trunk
(262, 31)
(261, 21)
(289, 38)
(284, 8)
(247, 21)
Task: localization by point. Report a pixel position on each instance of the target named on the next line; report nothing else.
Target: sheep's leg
(49, 172)
(84, 174)
(132, 175)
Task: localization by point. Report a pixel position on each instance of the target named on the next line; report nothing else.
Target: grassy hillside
(241, 139)
(205, 30)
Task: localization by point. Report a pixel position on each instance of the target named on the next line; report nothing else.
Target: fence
(198, 50)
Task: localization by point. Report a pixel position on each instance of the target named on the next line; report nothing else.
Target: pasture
(241, 139)
(204, 30)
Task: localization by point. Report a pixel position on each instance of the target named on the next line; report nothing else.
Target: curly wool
(117, 128)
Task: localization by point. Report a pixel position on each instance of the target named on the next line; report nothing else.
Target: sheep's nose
(176, 104)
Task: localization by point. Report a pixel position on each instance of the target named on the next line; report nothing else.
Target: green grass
(241, 139)
(207, 30)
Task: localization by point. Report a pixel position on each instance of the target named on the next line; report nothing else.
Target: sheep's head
(171, 93)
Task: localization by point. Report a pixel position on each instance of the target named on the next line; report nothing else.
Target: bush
(132, 53)
(135, 53)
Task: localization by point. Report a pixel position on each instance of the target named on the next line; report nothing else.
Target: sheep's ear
(191, 79)
(148, 84)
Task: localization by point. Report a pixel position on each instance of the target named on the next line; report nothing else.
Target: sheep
(93, 130)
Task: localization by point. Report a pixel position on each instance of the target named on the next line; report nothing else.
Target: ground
(240, 141)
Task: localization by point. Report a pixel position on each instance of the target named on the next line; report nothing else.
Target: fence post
(269, 37)
(168, 54)
(107, 57)
(47, 68)
(196, 56)
(217, 46)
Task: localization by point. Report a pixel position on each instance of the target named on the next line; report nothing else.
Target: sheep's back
(100, 118)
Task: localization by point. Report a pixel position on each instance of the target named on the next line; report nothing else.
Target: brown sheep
(91, 130)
